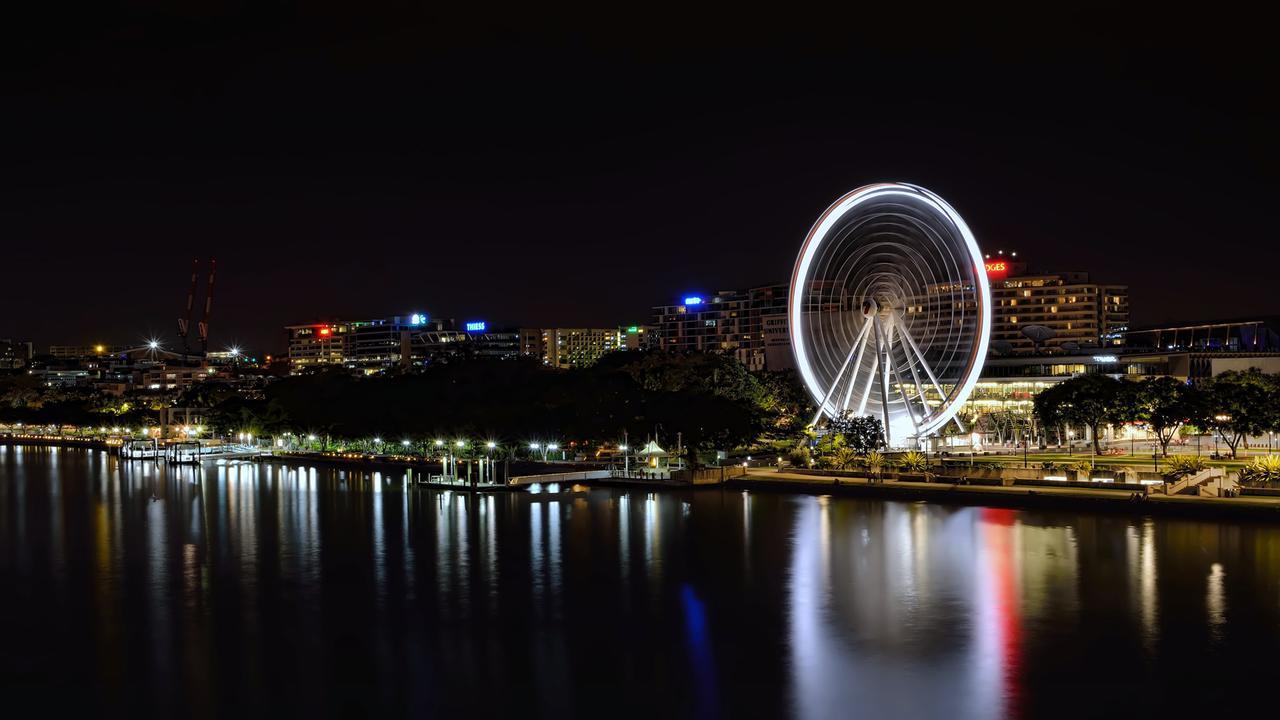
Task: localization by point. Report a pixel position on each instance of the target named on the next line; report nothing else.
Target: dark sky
(577, 169)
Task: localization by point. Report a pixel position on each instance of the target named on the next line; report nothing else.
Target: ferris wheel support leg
(871, 378)
(928, 370)
(925, 411)
(906, 400)
(861, 342)
(835, 382)
(882, 349)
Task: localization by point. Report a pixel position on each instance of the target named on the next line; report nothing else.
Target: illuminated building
(172, 377)
(572, 347)
(750, 325)
(581, 347)
(14, 354)
(408, 340)
(317, 344)
(85, 351)
(1078, 312)
(637, 337)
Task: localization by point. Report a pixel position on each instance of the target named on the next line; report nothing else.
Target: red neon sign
(997, 269)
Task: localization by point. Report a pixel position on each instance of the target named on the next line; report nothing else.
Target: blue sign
(693, 300)
(477, 326)
(417, 318)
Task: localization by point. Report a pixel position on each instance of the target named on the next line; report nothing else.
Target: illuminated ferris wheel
(890, 310)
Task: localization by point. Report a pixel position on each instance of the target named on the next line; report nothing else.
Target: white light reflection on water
(863, 637)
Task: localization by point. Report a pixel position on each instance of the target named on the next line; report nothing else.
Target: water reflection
(243, 589)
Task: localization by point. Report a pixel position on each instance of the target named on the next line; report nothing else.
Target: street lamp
(626, 460)
(552, 447)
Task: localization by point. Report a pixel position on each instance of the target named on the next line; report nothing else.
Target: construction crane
(184, 323)
(208, 301)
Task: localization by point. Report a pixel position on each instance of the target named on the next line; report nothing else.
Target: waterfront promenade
(1039, 496)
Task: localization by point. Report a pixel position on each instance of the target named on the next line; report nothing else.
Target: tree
(862, 434)
(1165, 404)
(1238, 404)
(1093, 401)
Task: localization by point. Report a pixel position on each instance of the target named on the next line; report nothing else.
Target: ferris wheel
(890, 310)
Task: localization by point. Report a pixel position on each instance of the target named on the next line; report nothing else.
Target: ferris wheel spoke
(835, 381)
(857, 365)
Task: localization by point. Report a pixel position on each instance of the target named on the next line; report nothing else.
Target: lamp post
(1024, 450)
(626, 455)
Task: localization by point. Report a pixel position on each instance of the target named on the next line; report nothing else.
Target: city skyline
(594, 175)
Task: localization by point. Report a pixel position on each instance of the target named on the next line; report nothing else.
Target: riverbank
(53, 441)
(1039, 497)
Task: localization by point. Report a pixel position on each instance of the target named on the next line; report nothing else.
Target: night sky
(579, 168)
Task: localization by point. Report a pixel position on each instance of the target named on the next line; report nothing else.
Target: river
(251, 590)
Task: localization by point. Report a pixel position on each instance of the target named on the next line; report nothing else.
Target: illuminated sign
(477, 326)
(324, 331)
(997, 268)
(633, 329)
(1105, 358)
(693, 300)
(417, 318)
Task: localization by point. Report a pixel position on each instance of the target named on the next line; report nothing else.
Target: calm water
(257, 590)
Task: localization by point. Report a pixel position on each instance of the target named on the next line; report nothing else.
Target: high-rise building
(580, 347)
(749, 324)
(1073, 311)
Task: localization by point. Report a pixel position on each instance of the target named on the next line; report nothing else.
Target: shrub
(994, 465)
(1048, 465)
(913, 461)
(1183, 465)
(875, 461)
(1265, 469)
(1084, 467)
(799, 456)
